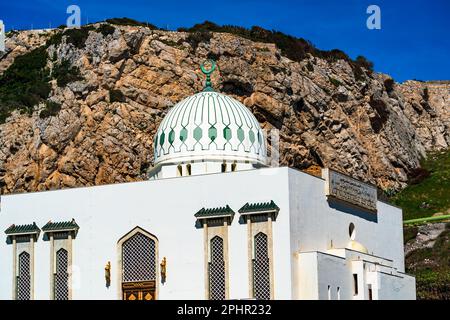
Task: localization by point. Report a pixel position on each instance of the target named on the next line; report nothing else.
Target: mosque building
(213, 221)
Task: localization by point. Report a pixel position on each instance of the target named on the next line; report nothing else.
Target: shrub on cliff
(294, 48)
(25, 83)
(64, 73)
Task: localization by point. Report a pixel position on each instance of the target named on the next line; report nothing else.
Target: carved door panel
(144, 290)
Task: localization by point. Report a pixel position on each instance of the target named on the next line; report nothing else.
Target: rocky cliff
(125, 78)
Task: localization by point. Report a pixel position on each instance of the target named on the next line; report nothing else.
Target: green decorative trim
(61, 226)
(210, 121)
(258, 207)
(198, 133)
(215, 212)
(208, 84)
(23, 229)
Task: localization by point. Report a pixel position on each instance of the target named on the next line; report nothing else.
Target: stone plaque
(345, 188)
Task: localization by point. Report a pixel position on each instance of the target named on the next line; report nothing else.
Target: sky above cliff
(413, 42)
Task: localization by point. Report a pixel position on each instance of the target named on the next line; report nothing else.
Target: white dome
(209, 126)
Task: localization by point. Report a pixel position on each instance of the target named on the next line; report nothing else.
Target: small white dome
(209, 126)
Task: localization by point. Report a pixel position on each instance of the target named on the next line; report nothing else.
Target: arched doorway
(138, 265)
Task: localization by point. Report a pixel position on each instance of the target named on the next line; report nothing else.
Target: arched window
(179, 170)
(351, 231)
(138, 265)
(61, 275)
(139, 261)
(224, 167)
(216, 270)
(261, 265)
(24, 277)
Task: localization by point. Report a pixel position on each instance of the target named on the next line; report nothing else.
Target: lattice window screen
(217, 270)
(261, 271)
(62, 276)
(139, 259)
(24, 277)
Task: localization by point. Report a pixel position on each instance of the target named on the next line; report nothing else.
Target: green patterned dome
(209, 126)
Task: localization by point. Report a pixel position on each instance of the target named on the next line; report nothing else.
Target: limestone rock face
(362, 127)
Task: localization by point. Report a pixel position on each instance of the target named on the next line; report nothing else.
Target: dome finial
(207, 72)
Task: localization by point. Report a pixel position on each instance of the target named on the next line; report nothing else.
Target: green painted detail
(208, 84)
(171, 136)
(227, 133)
(261, 206)
(26, 228)
(251, 135)
(156, 141)
(423, 220)
(212, 133)
(198, 133)
(59, 226)
(240, 134)
(161, 139)
(183, 134)
(215, 212)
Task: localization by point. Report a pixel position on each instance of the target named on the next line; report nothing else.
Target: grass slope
(429, 189)
(431, 266)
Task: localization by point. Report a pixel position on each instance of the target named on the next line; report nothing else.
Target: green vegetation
(75, 36)
(389, 84)
(429, 188)
(78, 36)
(409, 233)
(25, 83)
(64, 73)
(131, 22)
(195, 38)
(116, 96)
(294, 48)
(310, 66)
(335, 82)
(431, 267)
(51, 109)
(106, 29)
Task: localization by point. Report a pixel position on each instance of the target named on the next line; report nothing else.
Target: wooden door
(143, 290)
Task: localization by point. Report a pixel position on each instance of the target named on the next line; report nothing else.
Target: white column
(69, 266)
(32, 267)
(52, 267)
(14, 279)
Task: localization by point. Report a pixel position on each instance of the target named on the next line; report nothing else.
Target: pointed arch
(24, 276)
(61, 281)
(138, 258)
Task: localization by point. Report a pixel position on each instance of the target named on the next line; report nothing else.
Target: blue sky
(413, 43)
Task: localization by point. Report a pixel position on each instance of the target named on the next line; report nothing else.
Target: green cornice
(215, 212)
(61, 226)
(23, 229)
(259, 207)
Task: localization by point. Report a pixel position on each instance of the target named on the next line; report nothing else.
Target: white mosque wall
(306, 223)
(393, 287)
(164, 208)
(319, 225)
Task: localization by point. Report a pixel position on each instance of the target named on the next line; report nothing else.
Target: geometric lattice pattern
(61, 276)
(24, 277)
(209, 123)
(139, 259)
(217, 270)
(261, 272)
